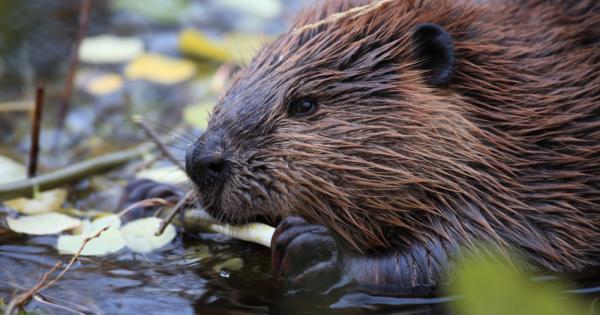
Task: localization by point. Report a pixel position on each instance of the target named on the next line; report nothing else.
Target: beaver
(385, 141)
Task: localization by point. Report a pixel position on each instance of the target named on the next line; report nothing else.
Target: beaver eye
(303, 107)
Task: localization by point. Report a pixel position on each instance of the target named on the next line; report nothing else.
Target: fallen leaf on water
(11, 170)
(110, 49)
(197, 115)
(47, 201)
(139, 235)
(164, 11)
(239, 48)
(105, 84)
(266, 9)
(109, 241)
(160, 69)
(43, 224)
(51, 200)
(167, 175)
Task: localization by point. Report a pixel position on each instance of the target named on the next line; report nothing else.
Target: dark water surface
(191, 276)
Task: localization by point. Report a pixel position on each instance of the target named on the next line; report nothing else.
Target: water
(185, 278)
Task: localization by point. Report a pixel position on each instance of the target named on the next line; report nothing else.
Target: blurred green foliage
(487, 286)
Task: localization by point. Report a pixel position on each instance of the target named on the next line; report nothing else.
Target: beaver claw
(304, 256)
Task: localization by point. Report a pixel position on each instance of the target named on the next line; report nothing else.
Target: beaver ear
(434, 50)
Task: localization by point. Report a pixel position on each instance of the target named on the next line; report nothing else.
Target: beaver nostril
(217, 165)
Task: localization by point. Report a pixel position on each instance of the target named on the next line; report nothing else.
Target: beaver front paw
(304, 256)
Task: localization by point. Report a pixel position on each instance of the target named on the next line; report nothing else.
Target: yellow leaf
(105, 84)
(160, 69)
(110, 49)
(234, 47)
(51, 200)
(197, 115)
(139, 235)
(194, 42)
(43, 224)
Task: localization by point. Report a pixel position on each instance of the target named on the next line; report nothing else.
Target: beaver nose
(205, 162)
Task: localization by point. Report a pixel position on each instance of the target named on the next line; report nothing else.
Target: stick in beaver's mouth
(200, 220)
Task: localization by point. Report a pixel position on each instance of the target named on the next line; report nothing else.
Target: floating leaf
(235, 47)
(139, 235)
(266, 9)
(11, 170)
(43, 224)
(51, 200)
(110, 49)
(167, 175)
(197, 115)
(109, 241)
(105, 84)
(195, 43)
(160, 69)
(165, 11)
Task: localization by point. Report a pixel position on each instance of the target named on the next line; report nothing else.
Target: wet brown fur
(508, 153)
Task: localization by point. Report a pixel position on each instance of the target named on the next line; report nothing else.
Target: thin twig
(75, 257)
(144, 204)
(178, 207)
(352, 13)
(154, 137)
(84, 21)
(23, 298)
(35, 132)
(75, 172)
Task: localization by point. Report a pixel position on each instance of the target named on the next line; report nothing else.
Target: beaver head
(346, 124)
(383, 126)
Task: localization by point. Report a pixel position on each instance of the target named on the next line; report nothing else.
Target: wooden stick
(178, 207)
(75, 172)
(35, 132)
